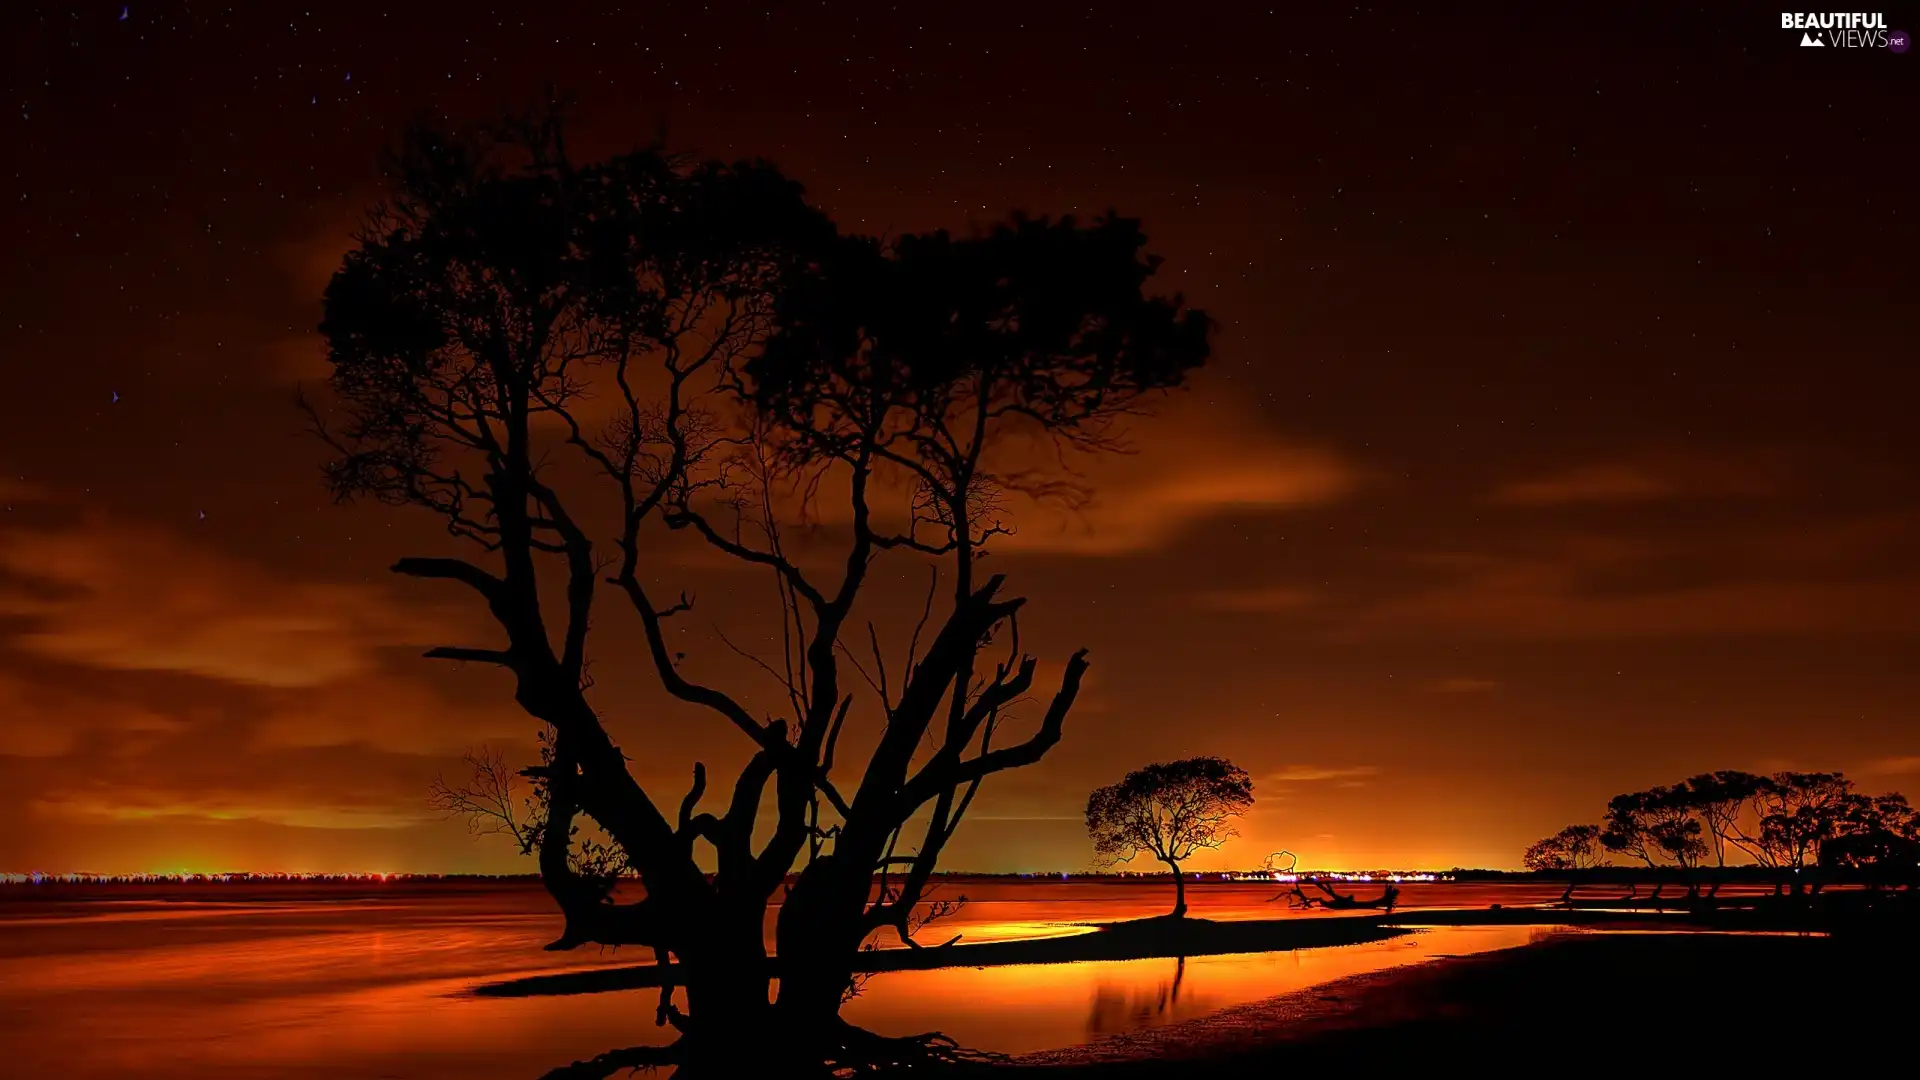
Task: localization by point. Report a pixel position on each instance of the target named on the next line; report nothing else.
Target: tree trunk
(729, 1027)
(1179, 891)
(817, 939)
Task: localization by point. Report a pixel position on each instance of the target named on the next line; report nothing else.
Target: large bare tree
(754, 366)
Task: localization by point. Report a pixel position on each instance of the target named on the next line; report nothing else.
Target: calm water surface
(373, 985)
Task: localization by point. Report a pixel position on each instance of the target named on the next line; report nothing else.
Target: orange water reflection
(371, 988)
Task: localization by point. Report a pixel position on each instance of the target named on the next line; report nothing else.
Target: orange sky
(1555, 443)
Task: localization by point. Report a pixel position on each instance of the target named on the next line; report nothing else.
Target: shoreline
(1336, 1005)
(1141, 939)
(1535, 1002)
(1166, 938)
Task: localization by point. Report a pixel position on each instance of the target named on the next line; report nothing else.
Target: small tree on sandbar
(1170, 811)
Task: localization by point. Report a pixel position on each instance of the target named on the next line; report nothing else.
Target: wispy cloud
(1206, 462)
(1304, 774)
(39, 718)
(1594, 483)
(1895, 766)
(130, 596)
(1600, 589)
(1629, 482)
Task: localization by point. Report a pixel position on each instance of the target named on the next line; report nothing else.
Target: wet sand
(1571, 1001)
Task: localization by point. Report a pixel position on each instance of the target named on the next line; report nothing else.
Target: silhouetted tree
(736, 348)
(488, 800)
(1628, 827)
(1721, 800)
(1573, 851)
(1878, 838)
(1169, 811)
(1675, 830)
(1651, 825)
(1800, 811)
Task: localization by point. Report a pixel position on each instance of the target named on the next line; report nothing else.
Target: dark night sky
(1558, 442)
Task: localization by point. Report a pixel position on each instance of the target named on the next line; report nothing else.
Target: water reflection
(1024, 1008)
(1118, 1007)
(377, 988)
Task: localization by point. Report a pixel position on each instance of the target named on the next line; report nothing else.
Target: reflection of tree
(1117, 1010)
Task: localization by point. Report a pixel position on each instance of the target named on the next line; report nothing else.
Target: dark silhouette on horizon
(766, 373)
(1169, 810)
(1799, 831)
(1326, 896)
(1572, 851)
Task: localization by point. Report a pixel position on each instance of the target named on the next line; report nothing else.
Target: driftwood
(1337, 901)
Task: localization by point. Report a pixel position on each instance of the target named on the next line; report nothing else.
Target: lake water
(372, 983)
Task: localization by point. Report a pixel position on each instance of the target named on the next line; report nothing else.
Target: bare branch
(488, 586)
(500, 657)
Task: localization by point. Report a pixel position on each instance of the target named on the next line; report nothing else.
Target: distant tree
(1573, 850)
(1654, 825)
(1722, 800)
(1627, 828)
(1798, 813)
(1169, 811)
(1673, 828)
(1576, 847)
(1878, 838)
(562, 361)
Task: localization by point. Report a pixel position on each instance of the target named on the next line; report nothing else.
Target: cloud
(126, 804)
(398, 715)
(1603, 589)
(206, 764)
(1196, 459)
(1147, 502)
(1303, 774)
(1621, 482)
(1460, 684)
(1178, 469)
(1895, 766)
(136, 597)
(1594, 483)
(40, 719)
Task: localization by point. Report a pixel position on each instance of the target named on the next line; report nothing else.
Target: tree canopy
(1170, 811)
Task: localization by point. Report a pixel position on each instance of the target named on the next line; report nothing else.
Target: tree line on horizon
(1797, 828)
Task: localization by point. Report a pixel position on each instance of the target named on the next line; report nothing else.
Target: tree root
(860, 1052)
(630, 1059)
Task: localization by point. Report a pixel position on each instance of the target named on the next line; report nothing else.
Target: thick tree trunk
(1179, 891)
(729, 1026)
(817, 938)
